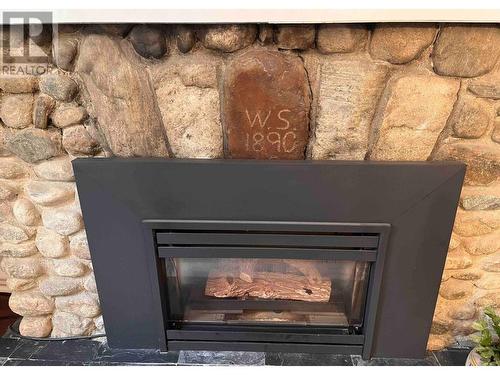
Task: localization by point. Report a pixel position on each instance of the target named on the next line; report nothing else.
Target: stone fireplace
(347, 92)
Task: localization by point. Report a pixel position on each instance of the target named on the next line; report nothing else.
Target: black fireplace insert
(306, 256)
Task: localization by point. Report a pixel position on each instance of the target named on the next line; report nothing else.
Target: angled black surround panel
(417, 200)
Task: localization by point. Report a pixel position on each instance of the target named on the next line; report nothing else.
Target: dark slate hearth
(188, 357)
(21, 352)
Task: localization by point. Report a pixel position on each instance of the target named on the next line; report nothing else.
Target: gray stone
(77, 141)
(148, 41)
(54, 286)
(13, 233)
(34, 145)
(414, 113)
(11, 169)
(22, 268)
(64, 50)
(122, 96)
(348, 95)
(67, 114)
(31, 303)
(266, 34)
(67, 324)
(64, 221)
(480, 202)
(44, 105)
(58, 86)
(401, 43)
(51, 244)
(69, 267)
(341, 38)
(16, 110)
(228, 38)
(55, 169)
(466, 50)
(48, 193)
(79, 245)
(21, 250)
(99, 326)
(18, 84)
(185, 38)
(36, 326)
(470, 118)
(295, 36)
(25, 212)
(191, 119)
(84, 304)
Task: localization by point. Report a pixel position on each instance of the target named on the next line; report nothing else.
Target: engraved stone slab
(266, 106)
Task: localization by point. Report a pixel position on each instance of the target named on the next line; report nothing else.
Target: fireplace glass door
(239, 291)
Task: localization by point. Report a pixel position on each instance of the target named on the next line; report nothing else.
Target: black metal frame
(339, 246)
(418, 200)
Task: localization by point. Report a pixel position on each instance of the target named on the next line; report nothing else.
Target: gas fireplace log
(268, 285)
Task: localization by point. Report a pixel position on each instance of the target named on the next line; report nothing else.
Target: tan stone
(455, 289)
(31, 303)
(491, 264)
(59, 286)
(462, 328)
(454, 242)
(488, 281)
(470, 118)
(457, 260)
(340, 38)
(77, 141)
(79, 245)
(295, 36)
(265, 106)
(22, 268)
(228, 38)
(36, 326)
(489, 299)
(440, 326)
(482, 245)
(44, 105)
(7, 190)
(495, 134)
(47, 193)
(468, 274)
(466, 50)
(400, 43)
(24, 249)
(476, 223)
(13, 233)
(11, 169)
(348, 95)
(69, 267)
(438, 342)
(16, 110)
(67, 114)
(18, 285)
(202, 75)
(66, 324)
(55, 169)
(25, 212)
(64, 221)
(485, 90)
(191, 119)
(90, 284)
(64, 49)
(84, 304)
(414, 114)
(482, 159)
(50, 243)
(122, 96)
(18, 84)
(462, 311)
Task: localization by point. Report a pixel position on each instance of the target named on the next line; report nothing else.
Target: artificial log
(267, 285)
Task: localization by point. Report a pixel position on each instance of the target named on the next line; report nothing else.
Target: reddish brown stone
(266, 106)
